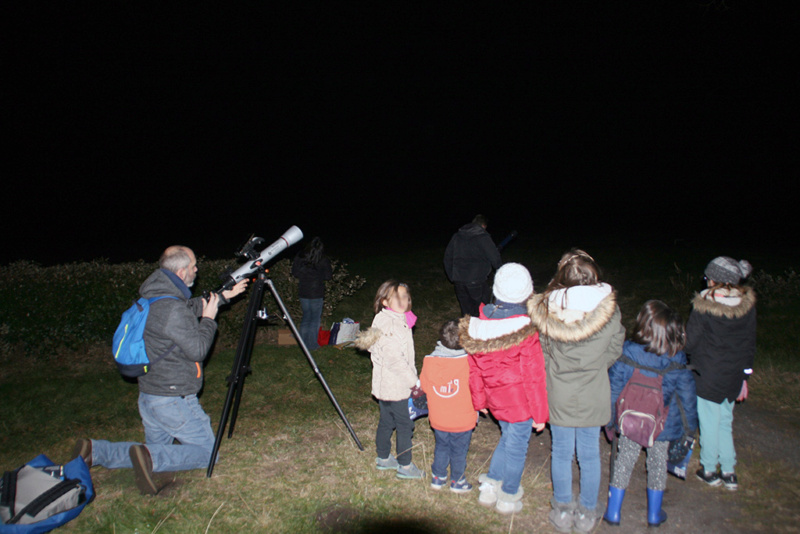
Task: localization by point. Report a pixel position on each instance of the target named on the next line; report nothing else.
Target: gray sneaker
(561, 516)
(386, 463)
(409, 471)
(584, 520)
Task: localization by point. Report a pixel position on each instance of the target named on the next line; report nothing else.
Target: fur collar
(704, 303)
(367, 338)
(549, 323)
(482, 346)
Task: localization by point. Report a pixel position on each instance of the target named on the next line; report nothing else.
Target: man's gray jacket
(174, 324)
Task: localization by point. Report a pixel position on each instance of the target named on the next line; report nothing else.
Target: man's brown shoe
(83, 448)
(143, 469)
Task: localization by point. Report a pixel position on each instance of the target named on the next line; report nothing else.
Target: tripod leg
(249, 337)
(241, 367)
(300, 342)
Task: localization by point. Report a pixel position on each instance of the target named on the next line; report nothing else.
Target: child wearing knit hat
(506, 377)
(721, 344)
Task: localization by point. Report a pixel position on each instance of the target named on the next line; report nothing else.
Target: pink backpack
(641, 413)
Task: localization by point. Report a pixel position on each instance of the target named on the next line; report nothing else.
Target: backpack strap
(43, 501)
(159, 358)
(152, 300)
(673, 366)
(8, 497)
(683, 413)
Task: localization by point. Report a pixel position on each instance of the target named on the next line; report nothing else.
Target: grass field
(291, 465)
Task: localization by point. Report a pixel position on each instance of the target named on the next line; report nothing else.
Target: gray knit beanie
(512, 283)
(726, 270)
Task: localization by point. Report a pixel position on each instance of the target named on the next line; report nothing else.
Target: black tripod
(241, 364)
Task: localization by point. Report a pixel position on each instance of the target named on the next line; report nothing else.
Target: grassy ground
(291, 465)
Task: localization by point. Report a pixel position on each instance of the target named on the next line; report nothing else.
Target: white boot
(509, 504)
(488, 488)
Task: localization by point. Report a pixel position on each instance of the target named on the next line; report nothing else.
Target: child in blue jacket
(657, 342)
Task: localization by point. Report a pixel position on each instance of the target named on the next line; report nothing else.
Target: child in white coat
(391, 346)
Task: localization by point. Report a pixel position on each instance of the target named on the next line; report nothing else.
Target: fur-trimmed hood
(480, 336)
(732, 303)
(551, 321)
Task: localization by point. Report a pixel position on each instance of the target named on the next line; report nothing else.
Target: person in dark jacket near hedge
(657, 342)
(184, 329)
(312, 269)
(469, 258)
(721, 343)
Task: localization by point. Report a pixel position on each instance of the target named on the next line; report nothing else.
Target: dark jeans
(309, 324)
(471, 295)
(451, 449)
(394, 415)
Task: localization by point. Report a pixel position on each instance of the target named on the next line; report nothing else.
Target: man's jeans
(587, 442)
(451, 449)
(165, 419)
(508, 459)
(309, 324)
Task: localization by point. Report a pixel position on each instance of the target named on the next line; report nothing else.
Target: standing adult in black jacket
(312, 269)
(468, 260)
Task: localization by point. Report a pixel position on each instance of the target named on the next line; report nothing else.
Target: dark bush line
(46, 309)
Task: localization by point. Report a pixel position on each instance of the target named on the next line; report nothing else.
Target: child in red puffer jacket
(507, 377)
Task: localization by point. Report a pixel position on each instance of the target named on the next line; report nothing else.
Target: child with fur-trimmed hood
(507, 378)
(582, 335)
(721, 344)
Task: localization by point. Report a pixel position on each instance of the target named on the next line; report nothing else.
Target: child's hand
(484, 411)
(743, 393)
(538, 426)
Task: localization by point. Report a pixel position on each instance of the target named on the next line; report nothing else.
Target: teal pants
(716, 435)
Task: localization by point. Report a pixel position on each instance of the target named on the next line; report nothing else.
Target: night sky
(132, 128)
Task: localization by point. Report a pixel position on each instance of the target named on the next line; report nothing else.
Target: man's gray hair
(175, 258)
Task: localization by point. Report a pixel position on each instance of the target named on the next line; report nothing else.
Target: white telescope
(289, 238)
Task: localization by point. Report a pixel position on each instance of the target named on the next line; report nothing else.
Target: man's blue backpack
(128, 341)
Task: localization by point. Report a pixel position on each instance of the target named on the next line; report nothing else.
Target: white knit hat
(512, 283)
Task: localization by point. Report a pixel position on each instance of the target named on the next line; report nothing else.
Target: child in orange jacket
(445, 381)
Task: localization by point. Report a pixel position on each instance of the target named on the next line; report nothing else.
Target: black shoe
(712, 479)
(143, 469)
(730, 481)
(83, 448)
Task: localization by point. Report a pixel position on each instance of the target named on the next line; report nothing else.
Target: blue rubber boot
(655, 515)
(615, 496)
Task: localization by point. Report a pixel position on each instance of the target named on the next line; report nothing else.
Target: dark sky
(133, 128)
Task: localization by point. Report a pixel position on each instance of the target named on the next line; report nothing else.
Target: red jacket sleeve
(532, 363)
(476, 385)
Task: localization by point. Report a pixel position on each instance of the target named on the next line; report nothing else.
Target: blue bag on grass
(71, 475)
(128, 341)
